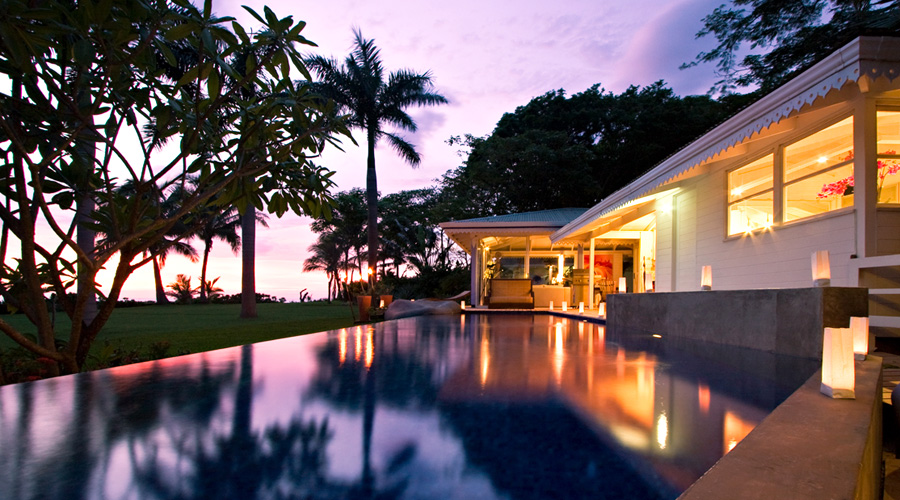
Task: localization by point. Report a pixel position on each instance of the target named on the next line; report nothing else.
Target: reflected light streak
(735, 429)
(558, 354)
(662, 431)
(358, 346)
(370, 347)
(703, 397)
(485, 359)
(342, 345)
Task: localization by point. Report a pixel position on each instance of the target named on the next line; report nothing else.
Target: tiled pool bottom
(512, 406)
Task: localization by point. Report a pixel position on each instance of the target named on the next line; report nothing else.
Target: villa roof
(542, 222)
(862, 61)
(561, 216)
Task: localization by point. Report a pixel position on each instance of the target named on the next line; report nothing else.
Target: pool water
(479, 406)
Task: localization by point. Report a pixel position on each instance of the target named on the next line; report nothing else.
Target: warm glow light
(737, 192)
(860, 329)
(838, 371)
(662, 431)
(734, 429)
(562, 267)
(381, 304)
(342, 345)
(370, 348)
(581, 308)
(565, 306)
(623, 285)
(485, 359)
(358, 346)
(370, 272)
(821, 269)
(551, 305)
(558, 354)
(657, 336)
(601, 309)
(823, 159)
(462, 305)
(706, 278)
(703, 398)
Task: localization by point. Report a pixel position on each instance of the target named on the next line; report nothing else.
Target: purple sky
(486, 58)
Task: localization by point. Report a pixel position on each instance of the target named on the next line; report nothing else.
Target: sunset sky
(487, 58)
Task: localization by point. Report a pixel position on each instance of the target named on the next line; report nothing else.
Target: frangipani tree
(96, 69)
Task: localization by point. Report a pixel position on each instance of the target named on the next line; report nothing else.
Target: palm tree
(181, 289)
(217, 223)
(327, 257)
(358, 88)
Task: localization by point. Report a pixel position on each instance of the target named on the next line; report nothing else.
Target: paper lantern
(565, 306)
(706, 278)
(581, 308)
(838, 371)
(860, 329)
(821, 269)
(623, 285)
(551, 305)
(601, 309)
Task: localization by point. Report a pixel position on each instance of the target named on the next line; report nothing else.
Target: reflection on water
(512, 406)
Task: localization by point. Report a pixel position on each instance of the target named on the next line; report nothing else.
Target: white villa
(814, 165)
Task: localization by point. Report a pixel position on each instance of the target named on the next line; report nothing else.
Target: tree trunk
(85, 238)
(206, 251)
(372, 202)
(248, 263)
(157, 278)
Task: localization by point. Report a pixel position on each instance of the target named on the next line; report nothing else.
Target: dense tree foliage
(416, 255)
(782, 37)
(559, 151)
(374, 101)
(88, 103)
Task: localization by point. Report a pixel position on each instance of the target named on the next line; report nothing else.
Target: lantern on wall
(860, 329)
(838, 371)
(623, 285)
(706, 278)
(821, 268)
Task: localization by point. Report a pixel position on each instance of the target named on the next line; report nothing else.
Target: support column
(591, 275)
(579, 260)
(865, 175)
(527, 257)
(475, 252)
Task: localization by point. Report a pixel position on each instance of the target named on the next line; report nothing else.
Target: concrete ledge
(811, 447)
(786, 321)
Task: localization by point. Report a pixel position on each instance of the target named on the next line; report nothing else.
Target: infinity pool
(480, 406)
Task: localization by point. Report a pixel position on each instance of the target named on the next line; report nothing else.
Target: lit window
(888, 180)
(818, 172)
(750, 196)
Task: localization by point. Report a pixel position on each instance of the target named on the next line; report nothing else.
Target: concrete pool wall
(786, 321)
(811, 446)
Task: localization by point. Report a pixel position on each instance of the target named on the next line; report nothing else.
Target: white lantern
(462, 305)
(821, 269)
(623, 285)
(838, 371)
(601, 309)
(860, 329)
(565, 306)
(706, 278)
(581, 308)
(551, 305)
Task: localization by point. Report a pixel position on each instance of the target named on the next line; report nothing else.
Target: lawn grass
(203, 327)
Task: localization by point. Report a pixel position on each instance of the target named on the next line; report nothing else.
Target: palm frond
(405, 149)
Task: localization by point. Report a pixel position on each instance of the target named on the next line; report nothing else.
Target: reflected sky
(479, 406)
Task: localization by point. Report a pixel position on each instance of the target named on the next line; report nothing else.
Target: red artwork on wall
(603, 265)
